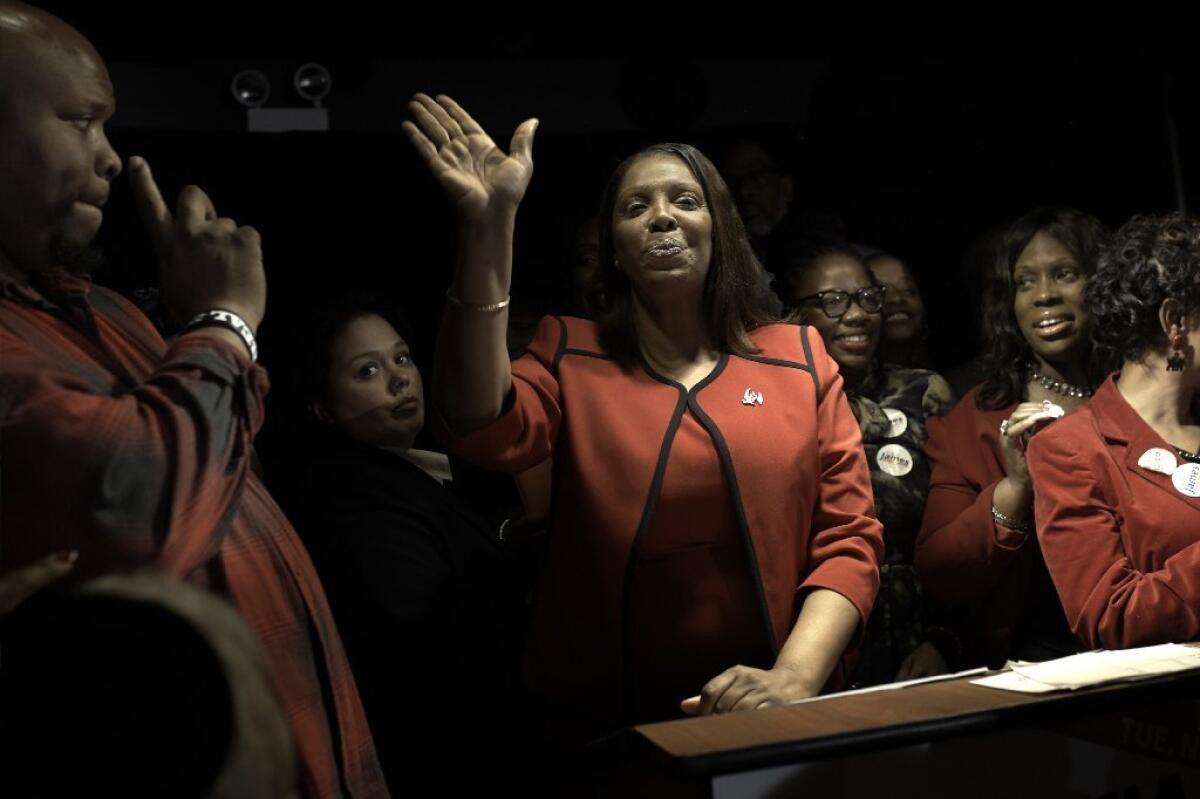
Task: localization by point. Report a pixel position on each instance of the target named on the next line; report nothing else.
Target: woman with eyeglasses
(977, 550)
(831, 289)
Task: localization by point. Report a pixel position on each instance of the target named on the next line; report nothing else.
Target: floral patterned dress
(892, 405)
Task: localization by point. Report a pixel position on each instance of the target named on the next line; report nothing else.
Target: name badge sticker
(1187, 479)
(894, 459)
(899, 422)
(1158, 460)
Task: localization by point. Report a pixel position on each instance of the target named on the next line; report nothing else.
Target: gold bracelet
(491, 307)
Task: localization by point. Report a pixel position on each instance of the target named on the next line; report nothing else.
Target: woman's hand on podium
(746, 688)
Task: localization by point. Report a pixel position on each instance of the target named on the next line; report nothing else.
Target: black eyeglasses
(836, 302)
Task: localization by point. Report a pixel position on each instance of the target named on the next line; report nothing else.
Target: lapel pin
(897, 422)
(894, 459)
(1158, 460)
(1187, 479)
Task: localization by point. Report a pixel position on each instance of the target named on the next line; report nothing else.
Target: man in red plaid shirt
(134, 451)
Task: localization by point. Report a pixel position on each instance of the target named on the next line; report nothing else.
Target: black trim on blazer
(808, 357)
(739, 510)
(660, 470)
(562, 344)
(587, 353)
(563, 349)
(777, 362)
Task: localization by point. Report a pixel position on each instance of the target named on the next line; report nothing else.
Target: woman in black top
(426, 596)
(831, 288)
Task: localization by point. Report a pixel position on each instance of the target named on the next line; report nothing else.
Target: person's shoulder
(921, 390)
(969, 407)
(559, 335)
(930, 384)
(1068, 433)
(967, 415)
(352, 468)
(893, 375)
(581, 334)
(787, 341)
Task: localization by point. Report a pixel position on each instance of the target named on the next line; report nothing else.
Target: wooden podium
(951, 738)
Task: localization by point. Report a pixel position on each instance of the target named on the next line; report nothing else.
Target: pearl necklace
(1058, 386)
(1190, 457)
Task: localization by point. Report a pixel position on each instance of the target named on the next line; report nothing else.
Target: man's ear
(1171, 316)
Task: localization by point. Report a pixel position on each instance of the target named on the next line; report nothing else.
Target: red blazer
(1122, 544)
(794, 466)
(991, 574)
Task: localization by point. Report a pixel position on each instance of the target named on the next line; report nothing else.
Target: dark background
(919, 148)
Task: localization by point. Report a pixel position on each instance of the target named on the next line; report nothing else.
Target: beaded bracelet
(1004, 521)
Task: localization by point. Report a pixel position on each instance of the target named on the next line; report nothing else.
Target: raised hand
(1024, 421)
(477, 176)
(205, 261)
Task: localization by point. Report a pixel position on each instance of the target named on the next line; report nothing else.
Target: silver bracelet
(1004, 521)
(223, 318)
(491, 307)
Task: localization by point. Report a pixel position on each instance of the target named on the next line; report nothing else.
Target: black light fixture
(251, 88)
(312, 82)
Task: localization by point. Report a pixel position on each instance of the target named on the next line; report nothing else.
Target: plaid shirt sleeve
(128, 471)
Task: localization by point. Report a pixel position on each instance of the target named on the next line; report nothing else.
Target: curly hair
(1006, 353)
(1151, 258)
(733, 296)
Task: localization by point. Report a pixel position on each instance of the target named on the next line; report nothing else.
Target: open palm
(476, 174)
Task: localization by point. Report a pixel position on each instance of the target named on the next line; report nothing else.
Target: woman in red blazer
(712, 525)
(1118, 482)
(976, 551)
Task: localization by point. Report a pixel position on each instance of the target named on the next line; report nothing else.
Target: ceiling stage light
(251, 88)
(312, 82)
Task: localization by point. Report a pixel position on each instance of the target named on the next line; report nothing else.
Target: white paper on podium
(892, 686)
(1095, 668)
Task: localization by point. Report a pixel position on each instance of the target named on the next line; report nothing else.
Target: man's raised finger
(150, 204)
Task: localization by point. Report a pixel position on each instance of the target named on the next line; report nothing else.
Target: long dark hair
(734, 290)
(1006, 353)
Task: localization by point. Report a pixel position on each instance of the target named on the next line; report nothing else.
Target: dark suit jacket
(1122, 544)
(428, 601)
